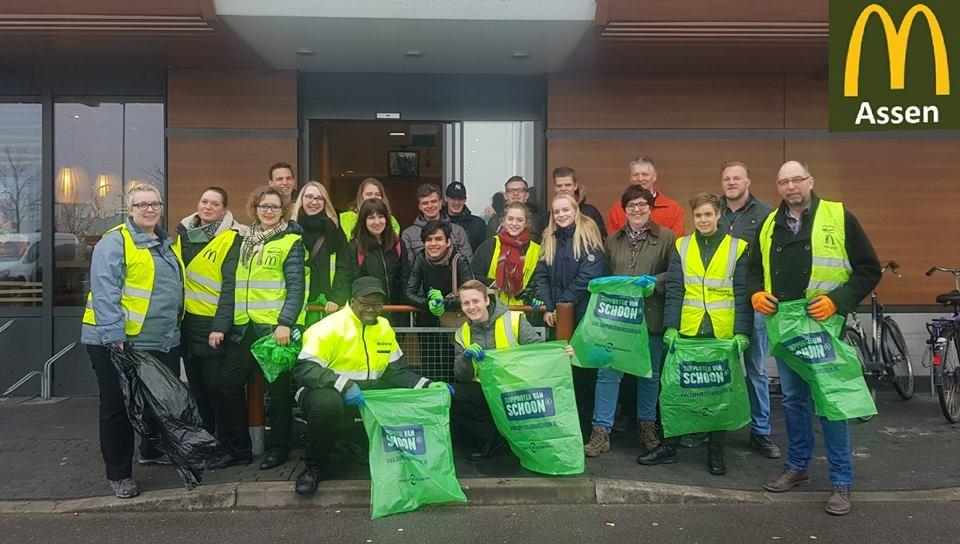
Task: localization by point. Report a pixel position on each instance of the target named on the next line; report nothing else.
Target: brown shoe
(787, 481)
(648, 435)
(599, 443)
(839, 502)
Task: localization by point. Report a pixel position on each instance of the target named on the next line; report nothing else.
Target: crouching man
(349, 351)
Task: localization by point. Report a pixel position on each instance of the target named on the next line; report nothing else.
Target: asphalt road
(872, 523)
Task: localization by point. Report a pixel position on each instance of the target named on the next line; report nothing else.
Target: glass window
(492, 153)
(100, 150)
(21, 171)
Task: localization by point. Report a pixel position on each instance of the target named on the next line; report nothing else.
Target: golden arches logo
(897, 39)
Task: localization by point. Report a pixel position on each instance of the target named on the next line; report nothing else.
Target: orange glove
(821, 307)
(764, 302)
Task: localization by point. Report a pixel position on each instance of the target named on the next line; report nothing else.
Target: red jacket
(666, 213)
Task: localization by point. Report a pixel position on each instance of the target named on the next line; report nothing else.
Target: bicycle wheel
(897, 358)
(851, 338)
(948, 390)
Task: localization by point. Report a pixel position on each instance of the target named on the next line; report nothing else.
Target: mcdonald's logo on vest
(210, 255)
(890, 65)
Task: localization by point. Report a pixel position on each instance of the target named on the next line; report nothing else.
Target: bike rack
(46, 383)
(6, 325)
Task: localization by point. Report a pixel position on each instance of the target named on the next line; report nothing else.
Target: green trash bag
(411, 459)
(275, 359)
(529, 390)
(613, 333)
(703, 388)
(815, 352)
(314, 316)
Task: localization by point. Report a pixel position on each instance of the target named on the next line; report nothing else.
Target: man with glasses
(516, 189)
(349, 351)
(741, 217)
(811, 249)
(666, 212)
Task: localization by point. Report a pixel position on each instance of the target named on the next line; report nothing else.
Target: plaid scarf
(253, 241)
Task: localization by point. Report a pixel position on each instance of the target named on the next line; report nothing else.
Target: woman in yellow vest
(490, 325)
(136, 297)
(706, 297)
(369, 188)
(270, 298)
(507, 260)
(324, 242)
(209, 243)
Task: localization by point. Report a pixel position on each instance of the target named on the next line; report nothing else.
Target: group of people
(223, 284)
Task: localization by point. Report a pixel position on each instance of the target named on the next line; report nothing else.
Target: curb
(479, 491)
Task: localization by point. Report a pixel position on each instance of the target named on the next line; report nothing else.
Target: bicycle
(943, 345)
(883, 355)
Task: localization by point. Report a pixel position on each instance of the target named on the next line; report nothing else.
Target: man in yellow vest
(490, 325)
(812, 249)
(348, 351)
(706, 297)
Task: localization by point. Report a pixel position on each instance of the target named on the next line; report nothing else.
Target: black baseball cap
(368, 285)
(457, 190)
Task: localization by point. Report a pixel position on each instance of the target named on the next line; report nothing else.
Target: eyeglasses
(269, 207)
(312, 198)
(637, 206)
(144, 206)
(796, 181)
(372, 306)
(516, 191)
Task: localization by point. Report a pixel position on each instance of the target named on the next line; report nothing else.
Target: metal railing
(46, 375)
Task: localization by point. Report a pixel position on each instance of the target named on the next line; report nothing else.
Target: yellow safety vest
(137, 286)
(261, 287)
(503, 336)
(830, 267)
(203, 280)
(529, 264)
(708, 291)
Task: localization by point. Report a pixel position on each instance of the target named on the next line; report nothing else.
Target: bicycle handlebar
(954, 271)
(893, 266)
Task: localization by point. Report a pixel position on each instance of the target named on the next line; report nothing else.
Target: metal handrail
(6, 325)
(46, 377)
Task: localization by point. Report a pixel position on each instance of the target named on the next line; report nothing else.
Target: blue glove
(536, 303)
(449, 387)
(474, 352)
(645, 281)
(669, 337)
(434, 294)
(353, 396)
(437, 306)
(743, 342)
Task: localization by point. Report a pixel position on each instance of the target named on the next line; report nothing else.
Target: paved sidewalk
(51, 451)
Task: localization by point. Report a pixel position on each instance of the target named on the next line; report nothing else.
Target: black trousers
(584, 387)
(203, 377)
(470, 415)
(280, 412)
(116, 433)
(327, 417)
(235, 371)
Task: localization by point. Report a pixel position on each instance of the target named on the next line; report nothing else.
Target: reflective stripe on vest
(204, 278)
(530, 259)
(261, 288)
(829, 264)
(708, 291)
(503, 336)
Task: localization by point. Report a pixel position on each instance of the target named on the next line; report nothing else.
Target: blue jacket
(567, 278)
(108, 270)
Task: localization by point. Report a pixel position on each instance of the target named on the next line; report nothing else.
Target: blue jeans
(607, 390)
(798, 411)
(758, 384)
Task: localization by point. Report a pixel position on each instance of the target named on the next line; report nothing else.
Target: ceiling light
(306, 52)
(398, 133)
(413, 54)
(519, 55)
(349, 172)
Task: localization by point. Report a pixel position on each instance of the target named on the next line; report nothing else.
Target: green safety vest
(203, 280)
(261, 287)
(529, 264)
(503, 336)
(137, 286)
(830, 267)
(708, 291)
(348, 220)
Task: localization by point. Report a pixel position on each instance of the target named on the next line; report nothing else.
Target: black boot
(309, 480)
(661, 455)
(489, 450)
(716, 464)
(274, 459)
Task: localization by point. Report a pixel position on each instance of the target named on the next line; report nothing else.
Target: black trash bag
(162, 411)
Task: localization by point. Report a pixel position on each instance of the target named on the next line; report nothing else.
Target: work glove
(321, 300)
(353, 396)
(474, 352)
(743, 342)
(449, 387)
(536, 303)
(434, 294)
(645, 280)
(669, 337)
(821, 307)
(437, 306)
(764, 302)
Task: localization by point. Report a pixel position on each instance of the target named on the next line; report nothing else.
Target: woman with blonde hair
(369, 188)
(507, 260)
(570, 256)
(323, 240)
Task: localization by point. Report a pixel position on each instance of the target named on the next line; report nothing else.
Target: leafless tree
(19, 187)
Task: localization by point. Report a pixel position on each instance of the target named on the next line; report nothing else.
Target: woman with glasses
(135, 299)
(641, 247)
(324, 242)
(270, 300)
(369, 188)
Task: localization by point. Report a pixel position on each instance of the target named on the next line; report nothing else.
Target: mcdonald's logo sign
(890, 64)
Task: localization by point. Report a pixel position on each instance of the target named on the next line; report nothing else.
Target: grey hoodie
(483, 333)
(412, 245)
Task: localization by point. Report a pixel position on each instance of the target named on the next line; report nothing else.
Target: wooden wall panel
(805, 103)
(715, 10)
(237, 165)
(231, 99)
(896, 188)
(625, 102)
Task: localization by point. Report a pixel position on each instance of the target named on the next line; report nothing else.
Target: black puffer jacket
(383, 264)
(425, 276)
(567, 278)
(475, 227)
